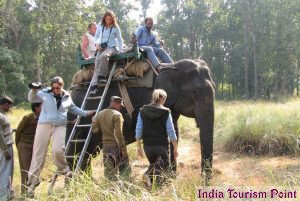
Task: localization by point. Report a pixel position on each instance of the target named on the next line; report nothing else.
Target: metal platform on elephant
(133, 53)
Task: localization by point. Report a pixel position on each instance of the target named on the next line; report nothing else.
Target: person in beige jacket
(109, 123)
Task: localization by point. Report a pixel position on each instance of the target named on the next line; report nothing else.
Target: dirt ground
(229, 169)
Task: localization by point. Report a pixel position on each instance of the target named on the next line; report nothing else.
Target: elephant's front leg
(205, 120)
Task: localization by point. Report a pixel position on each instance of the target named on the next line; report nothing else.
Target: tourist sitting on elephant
(109, 122)
(154, 127)
(147, 40)
(108, 43)
(88, 46)
(56, 102)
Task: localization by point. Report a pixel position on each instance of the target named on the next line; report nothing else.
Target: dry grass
(230, 169)
(259, 127)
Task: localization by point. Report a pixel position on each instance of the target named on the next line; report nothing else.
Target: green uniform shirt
(109, 122)
(26, 130)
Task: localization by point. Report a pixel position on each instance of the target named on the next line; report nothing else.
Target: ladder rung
(91, 110)
(78, 140)
(71, 156)
(84, 125)
(124, 78)
(101, 85)
(93, 97)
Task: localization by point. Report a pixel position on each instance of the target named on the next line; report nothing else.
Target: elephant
(190, 91)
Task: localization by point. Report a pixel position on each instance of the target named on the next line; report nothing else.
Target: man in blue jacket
(147, 40)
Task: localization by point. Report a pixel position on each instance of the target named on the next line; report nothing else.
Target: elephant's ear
(168, 81)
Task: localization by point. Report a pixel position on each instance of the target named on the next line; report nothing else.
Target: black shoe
(93, 89)
(101, 79)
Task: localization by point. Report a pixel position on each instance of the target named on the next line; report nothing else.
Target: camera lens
(104, 45)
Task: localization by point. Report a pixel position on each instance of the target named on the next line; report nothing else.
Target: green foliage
(252, 47)
(11, 77)
(214, 31)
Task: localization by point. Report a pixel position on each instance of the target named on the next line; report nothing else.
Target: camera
(35, 85)
(103, 45)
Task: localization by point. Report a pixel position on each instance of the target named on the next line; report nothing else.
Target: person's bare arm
(96, 126)
(139, 149)
(174, 142)
(118, 125)
(84, 44)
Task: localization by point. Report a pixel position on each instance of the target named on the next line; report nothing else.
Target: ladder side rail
(107, 86)
(98, 109)
(77, 121)
(86, 144)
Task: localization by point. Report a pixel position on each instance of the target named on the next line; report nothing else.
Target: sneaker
(30, 191)
(11, 195)
(31, 188)
(165, 66)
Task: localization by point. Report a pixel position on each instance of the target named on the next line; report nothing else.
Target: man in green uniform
(109, 122)
(24, 141)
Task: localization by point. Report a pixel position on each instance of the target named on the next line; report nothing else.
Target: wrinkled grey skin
(190, 92)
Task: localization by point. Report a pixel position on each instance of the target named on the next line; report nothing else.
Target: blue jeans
(153, 53)
(6, 174)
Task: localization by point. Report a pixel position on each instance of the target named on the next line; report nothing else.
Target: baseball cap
(6, 100)
(117, 99)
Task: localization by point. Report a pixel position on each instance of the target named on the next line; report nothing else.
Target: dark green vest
(154, 125)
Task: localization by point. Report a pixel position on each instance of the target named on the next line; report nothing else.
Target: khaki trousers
(40, 146)
(101, 63)
(25, 156)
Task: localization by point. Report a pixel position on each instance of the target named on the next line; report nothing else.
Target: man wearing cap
(6, 150)
(109, 122)
(24, 141)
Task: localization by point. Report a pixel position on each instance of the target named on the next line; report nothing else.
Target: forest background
(251, 46)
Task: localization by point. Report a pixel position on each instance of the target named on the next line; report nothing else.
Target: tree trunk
(223, 72)
(246, 52)
(250, 8)
(39, 60)
(298, 66)
(181, 48)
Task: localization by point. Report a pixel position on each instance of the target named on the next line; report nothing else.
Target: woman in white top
(108, 42)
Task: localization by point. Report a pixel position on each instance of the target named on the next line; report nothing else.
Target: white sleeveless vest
(91, 48)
